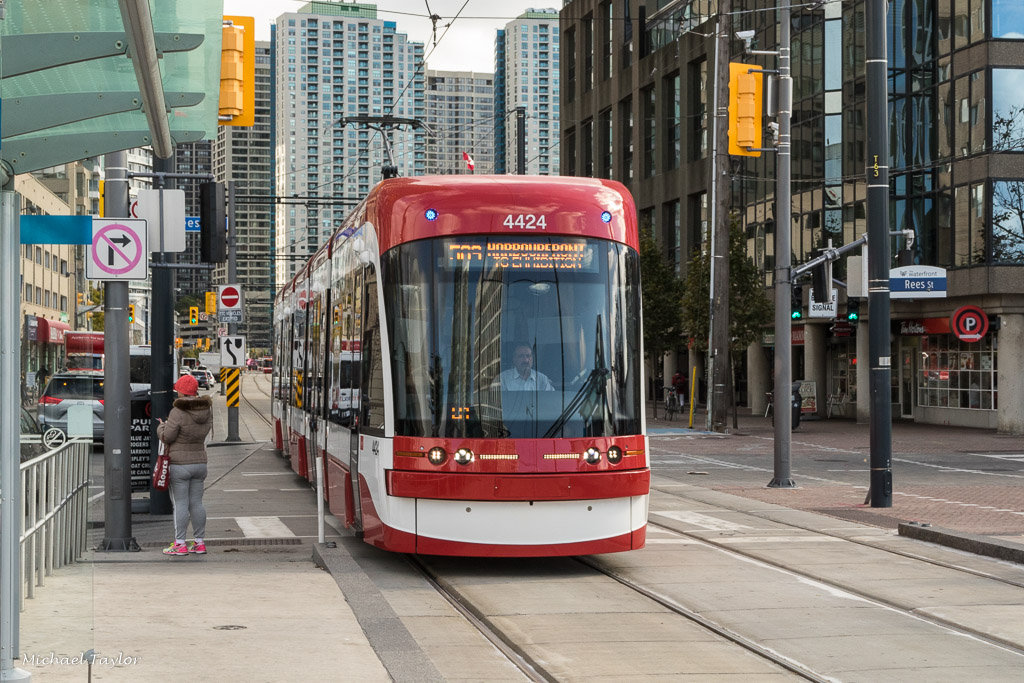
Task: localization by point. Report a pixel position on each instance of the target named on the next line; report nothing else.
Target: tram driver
(522, 377)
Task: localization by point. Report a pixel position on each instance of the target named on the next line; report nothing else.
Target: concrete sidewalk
(255, 607)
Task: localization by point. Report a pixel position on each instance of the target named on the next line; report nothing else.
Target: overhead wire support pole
(783, 262)
(879, 257)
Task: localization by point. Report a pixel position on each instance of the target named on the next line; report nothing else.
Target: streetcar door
(357, 393)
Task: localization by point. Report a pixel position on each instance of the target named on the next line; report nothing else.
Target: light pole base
(15, 675)
(782, 484)
(118, 545)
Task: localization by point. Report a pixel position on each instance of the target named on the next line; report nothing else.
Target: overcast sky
(468, 45)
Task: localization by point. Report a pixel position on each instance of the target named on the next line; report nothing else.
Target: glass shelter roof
(69, 88)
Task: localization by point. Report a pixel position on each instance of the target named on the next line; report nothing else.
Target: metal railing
(55, 492)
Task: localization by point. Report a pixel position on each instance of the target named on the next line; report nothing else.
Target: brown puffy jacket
(186, 428)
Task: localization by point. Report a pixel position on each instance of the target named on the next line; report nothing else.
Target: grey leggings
(187, 496)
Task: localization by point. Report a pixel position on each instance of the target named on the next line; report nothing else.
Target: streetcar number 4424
(527, 221)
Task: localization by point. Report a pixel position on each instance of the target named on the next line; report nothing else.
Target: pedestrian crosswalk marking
(263, 527)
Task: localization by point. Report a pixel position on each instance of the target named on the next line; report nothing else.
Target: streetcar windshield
(511, 336)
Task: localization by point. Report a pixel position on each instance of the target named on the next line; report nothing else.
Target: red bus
(465, 352)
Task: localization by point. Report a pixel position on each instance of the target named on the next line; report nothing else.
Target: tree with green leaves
(750, 307)
(662, 291)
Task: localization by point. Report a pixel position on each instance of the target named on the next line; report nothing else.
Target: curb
(971, 543)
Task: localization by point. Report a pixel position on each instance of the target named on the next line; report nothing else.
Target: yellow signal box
(193, 315)
(746, 105)
(237, 106)
(131, 313)
(211, 302)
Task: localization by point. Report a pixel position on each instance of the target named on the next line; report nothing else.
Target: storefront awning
(52, 331)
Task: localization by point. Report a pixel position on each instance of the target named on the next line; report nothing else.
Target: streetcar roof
(482, 204)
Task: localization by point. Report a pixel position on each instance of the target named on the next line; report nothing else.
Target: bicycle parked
(671, 400)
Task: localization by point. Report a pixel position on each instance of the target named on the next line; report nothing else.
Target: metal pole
(521, 140)
(712, 218)
(11, 509)
(783, 262)
(117, 470)
(232, 279)
(879, 349)
(162, 350)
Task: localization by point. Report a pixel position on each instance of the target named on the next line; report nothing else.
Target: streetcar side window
(372, 393)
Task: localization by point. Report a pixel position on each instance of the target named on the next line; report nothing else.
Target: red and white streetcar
(466, 355)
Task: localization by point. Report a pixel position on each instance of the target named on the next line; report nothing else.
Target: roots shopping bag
(162, 469)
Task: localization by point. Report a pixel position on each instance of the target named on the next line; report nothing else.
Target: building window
(606, 40)
(969, 225)
(670, 91)
(626, 135)
(957, 374)
(673, 236)
(570, 65)
(588, 52)
(698, 114)
(648, 114)
(1007, 19)
(587, 140)
(1008, 221)
(605, 143)
(698, 211)
(1008, 110)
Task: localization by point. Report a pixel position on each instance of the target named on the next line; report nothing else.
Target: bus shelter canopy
(70, 88)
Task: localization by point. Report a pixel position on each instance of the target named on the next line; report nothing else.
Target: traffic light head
(821, 283)
(853, 310)
(745, 109)
(193, 315)
(131, 313)
(237, 105)
(212, 223)
(796, 308)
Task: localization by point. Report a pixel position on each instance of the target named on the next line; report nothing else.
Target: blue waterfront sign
(917, 282)
(56, 229)
(191, 223)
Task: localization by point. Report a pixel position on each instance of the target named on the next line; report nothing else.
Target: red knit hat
(187, 385)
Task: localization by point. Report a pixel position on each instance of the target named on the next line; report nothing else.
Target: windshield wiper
(594, 380)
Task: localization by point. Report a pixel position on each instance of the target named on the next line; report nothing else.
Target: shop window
(957, 374)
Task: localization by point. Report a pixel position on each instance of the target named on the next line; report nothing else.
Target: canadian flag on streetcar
(468, 159)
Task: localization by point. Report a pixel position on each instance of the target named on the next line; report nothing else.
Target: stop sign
(229, 297)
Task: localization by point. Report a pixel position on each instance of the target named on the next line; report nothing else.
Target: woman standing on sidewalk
(184, 433)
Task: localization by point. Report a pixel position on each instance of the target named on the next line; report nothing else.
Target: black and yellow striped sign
(234, 386)
(223, 375)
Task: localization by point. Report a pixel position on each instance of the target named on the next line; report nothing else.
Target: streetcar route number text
(526, 222)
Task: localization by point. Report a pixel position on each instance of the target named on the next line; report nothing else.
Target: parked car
(203, 377)
(68, 389)
(32, 446)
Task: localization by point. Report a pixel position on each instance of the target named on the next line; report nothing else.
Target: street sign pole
(232, 277)
(162, 367)
(117, 501)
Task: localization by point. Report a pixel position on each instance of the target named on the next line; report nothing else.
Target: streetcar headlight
(592, 455)
(463, 456)
(614, 455)
(437, 455)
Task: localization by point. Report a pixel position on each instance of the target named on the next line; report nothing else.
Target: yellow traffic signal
(745, 109)
(211, 302)
(80, 297)
(178, 342)
(193, 315)
(238, 72)
(131, 313)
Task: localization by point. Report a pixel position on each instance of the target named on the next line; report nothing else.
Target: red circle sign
(229, 297)
(969, 323)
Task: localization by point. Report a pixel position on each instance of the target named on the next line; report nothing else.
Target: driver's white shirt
(511, 380)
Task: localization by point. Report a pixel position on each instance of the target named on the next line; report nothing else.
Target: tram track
(913, 613)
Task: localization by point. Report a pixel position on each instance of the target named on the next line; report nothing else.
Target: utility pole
(117, 470)
(879, 347)
(783, 262)
(718, 329)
